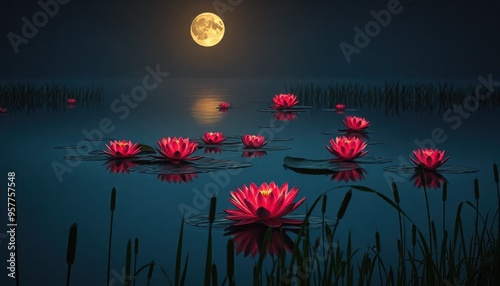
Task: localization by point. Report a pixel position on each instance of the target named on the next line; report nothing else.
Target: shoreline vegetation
(30, 98)
(432, 254)
(392, 97)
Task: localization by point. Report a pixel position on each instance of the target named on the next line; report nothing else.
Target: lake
(52, 193)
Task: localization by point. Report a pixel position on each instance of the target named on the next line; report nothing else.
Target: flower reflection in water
(212, 150)
(177, 178)
(433, 180)
(349, 175)
(253, 154)
(285, 115)
(119, 166)
(249, 239)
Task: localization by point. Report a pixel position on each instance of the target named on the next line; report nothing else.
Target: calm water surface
(150, 208)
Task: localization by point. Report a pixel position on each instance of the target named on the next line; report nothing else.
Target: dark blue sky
(264, 39)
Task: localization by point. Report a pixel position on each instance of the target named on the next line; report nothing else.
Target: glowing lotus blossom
(266, 204)
(350, 175)
(223, 105)
(177, 149)
(71, 101)
(253, 141)
(122, 149)
(213, 137)
(433, 180)
(119, 166)
(177, 178)
(3, 109)
(355, 123)
(429, 158)
(249, 239)
(347, 148)
(340, 106)
(283, 101)
(285, 116)
(253, 154)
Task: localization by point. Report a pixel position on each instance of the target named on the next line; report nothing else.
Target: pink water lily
(177, 149)
(253, 141)
(339, 106)
(429, 158)
(355, 123)
(71, 101)
(283, 101)
(122, 149)
(223, 105)
(347, 148)
(213, 138)
(266, 204)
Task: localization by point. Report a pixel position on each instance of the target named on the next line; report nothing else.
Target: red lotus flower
(429, 158)
(350, 175)
(339, 106)
(355, 123)
(71, 101)
(3, 109)
(283, 101)
(223, 105)
(213, 137)
(285, 116)
(253, 141)
(250, 238)
(433, 180)
(177, 178)
(253, 154)
(119, 166)
(177, 149)
(266, 204)
(213, 150)
(347, 148)
(122, 149)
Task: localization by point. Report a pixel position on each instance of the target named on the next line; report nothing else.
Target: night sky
(263, 39)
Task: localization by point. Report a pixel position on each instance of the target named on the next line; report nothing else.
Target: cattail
(421, 172)
(211, 216)
(136, 246)
(345, 203)
(395, 192)
(495, 172)
(230, 259)
(127, 263)
(323, 206)
(413, 234)
(70, 254)
(150, 271)
(476, 189)
(113, 199)
(377, 241)
(445, 191)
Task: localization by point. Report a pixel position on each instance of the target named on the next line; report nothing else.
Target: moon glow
(207, 29)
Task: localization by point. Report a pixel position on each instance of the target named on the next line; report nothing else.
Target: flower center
(266, 193)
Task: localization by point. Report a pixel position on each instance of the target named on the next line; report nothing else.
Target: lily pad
(330, 165)
(315, 222)
(335, 110)
(447, 169)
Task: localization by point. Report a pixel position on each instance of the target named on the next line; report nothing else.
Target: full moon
(207, 29)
